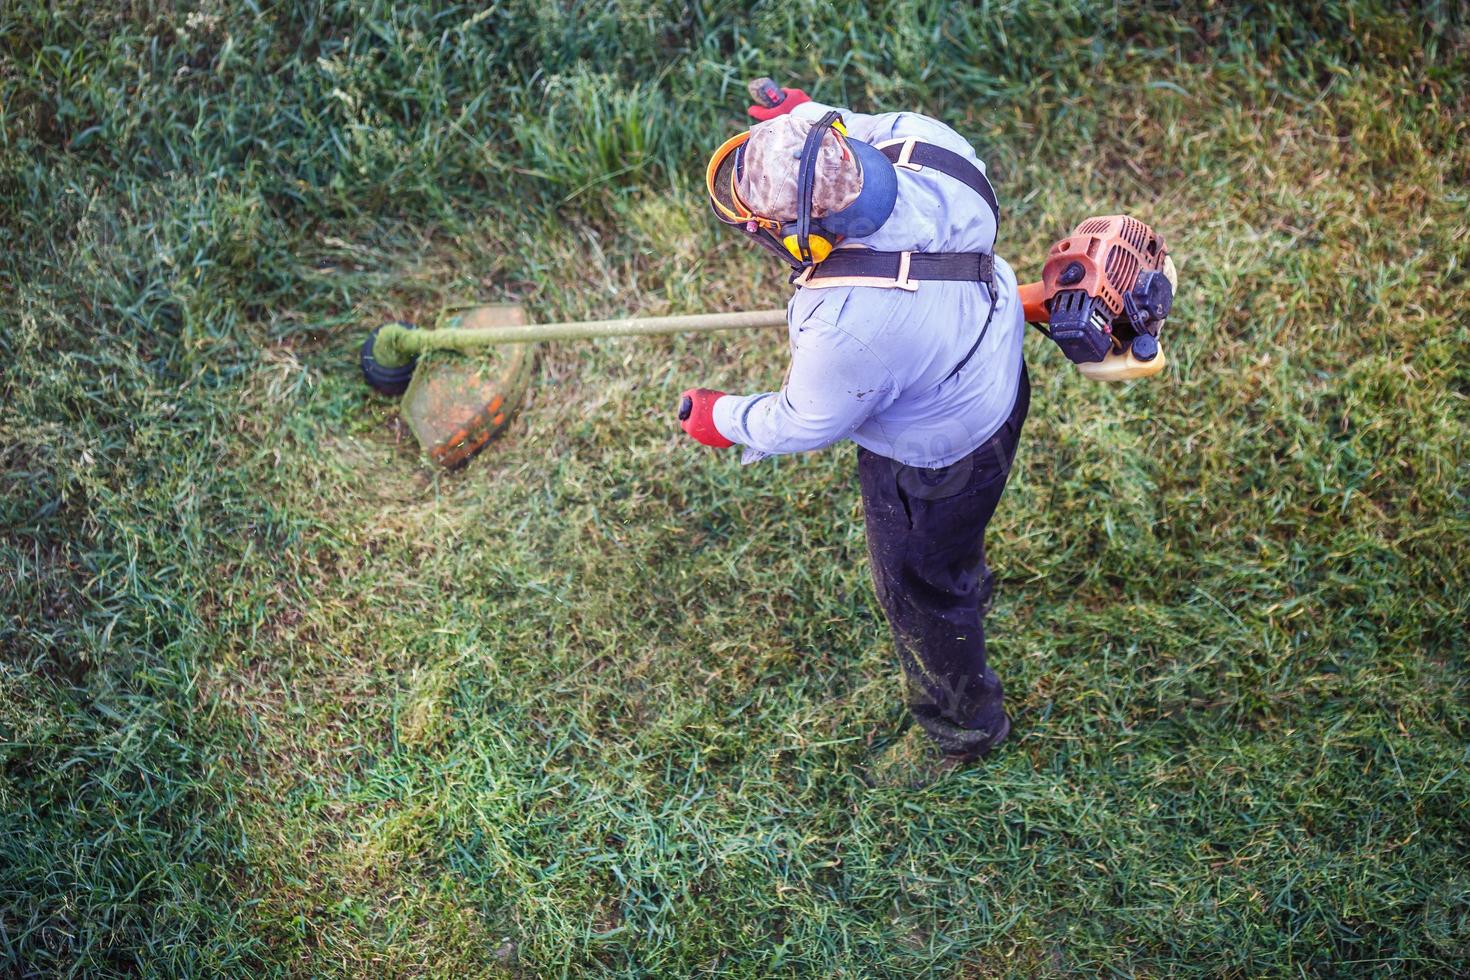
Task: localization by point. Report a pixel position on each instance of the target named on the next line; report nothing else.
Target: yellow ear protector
(721, 180)
(806, 240)
(809, 239)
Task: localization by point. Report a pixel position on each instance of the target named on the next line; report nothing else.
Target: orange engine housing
(1105, 288)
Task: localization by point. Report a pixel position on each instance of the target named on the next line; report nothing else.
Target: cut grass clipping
(276, 698)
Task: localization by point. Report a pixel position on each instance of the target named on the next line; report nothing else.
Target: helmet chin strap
(770, 243)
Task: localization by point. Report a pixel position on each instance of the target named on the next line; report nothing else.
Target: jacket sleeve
(834, 384)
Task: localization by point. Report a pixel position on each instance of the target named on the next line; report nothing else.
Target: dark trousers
(926, 545)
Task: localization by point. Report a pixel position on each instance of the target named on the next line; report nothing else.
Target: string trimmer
(1106, 290)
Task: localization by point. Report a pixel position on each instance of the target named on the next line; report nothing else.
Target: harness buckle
(904, 162)
(903, 281)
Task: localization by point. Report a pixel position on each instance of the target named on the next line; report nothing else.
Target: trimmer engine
(1106, 290)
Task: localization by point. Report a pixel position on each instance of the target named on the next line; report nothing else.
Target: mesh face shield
(808, 239)
(721, 181)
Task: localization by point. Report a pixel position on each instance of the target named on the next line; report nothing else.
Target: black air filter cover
(1076, 326)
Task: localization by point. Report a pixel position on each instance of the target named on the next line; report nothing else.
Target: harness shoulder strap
(915, 154)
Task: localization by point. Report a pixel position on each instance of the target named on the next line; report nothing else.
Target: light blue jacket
(871, 364)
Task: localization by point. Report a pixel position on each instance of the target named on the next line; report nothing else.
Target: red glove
(697, 416)
(793, 98)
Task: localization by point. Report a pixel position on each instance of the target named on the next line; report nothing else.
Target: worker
(905, 334)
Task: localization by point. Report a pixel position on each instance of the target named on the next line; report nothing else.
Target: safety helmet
(806, 239)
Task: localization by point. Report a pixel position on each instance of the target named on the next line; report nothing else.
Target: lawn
(277, 698)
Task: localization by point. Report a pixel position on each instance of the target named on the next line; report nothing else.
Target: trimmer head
(384, 380)
(457, 403)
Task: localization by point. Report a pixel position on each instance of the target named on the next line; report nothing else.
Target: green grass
(277, 699)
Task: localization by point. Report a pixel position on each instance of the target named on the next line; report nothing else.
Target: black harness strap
(949, 163)
(945, 266)
(989, 315)
(965, 266)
